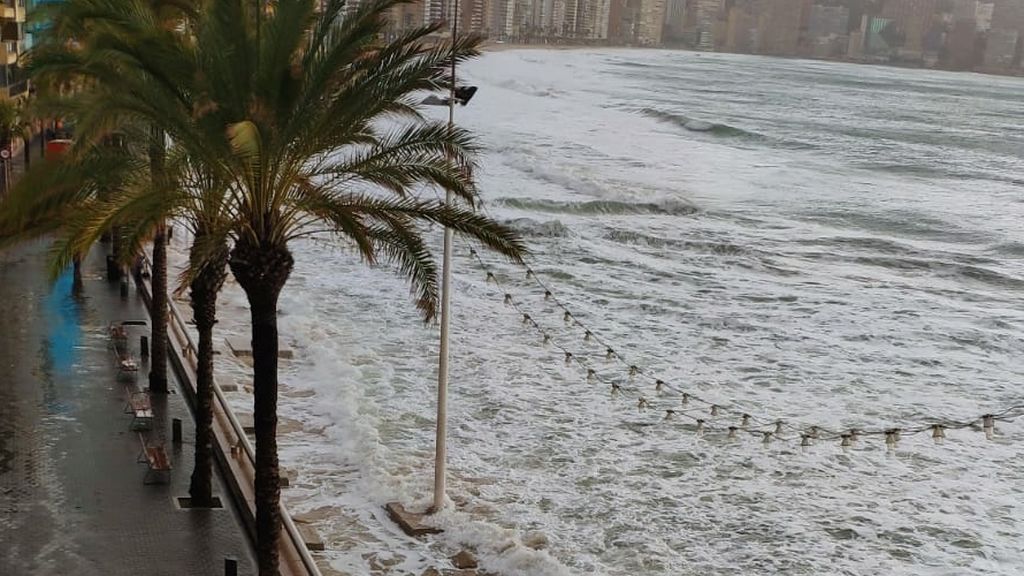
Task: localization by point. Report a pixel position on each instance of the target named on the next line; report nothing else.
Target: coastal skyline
(978, 35)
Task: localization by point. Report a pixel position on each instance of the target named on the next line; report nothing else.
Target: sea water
(823, 243)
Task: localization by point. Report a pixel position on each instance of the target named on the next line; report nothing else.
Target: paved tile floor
(72, 499)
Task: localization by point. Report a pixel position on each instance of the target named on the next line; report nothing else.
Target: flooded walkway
(72, 498)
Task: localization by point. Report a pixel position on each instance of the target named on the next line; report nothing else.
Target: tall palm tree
(311, 123)
(14, 124)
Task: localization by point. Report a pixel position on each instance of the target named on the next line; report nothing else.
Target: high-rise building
(912, 20)
(1001, 49)
(741, 29)
(675, 21)
(651, 22)
(961, 42)
(983, 16)
(779, 26)
(827, 30)
(703, 14)
(12, 44)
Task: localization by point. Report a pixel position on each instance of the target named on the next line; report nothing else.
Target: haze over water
(823, 243)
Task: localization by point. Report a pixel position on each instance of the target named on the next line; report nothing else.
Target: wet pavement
(72, 498)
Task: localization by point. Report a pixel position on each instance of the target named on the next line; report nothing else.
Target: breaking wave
(694, 125)
(668, 208)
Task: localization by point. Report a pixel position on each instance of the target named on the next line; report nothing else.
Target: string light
(804, 435)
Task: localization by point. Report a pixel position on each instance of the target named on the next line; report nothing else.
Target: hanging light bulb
(568, 358)
(732, 432)
(847, 442)
(891, 438)
(547, 338)
(547, 294)
(767, 437)
(745, 420)
(658, 385)
(805, 440)
(567, 316)
(813, 432)
(490, 277)
(590, 374)
(686, 398)
(778, 427)
(633, 371)
(700, 427)
(586, 336)
(714, 410)
(529, 273)
(508, 298)
(669, 414)
(988, 423)
(615, 389)
(642, 403)
(526, 318)
(609, 353)
(938, 432)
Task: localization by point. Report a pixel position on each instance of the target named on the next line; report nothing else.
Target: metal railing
(242, 438)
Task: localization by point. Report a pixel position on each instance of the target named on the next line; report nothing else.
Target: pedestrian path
(72, 497)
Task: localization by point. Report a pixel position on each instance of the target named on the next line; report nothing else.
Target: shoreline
(496, 46)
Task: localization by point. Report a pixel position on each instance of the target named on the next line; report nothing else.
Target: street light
(460, 96)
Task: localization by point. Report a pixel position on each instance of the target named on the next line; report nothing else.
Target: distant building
(651, 22)
(1001, 50)
(675, 21)
(741, 29)
(961, 44)
(983, 16)
(703, 14)
(779, 26)
(911, 22)
(827, 30)
(12, 44)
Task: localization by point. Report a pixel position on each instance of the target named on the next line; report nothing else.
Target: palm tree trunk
(158, 344)
(262, 271)
(159, 314)
(204, 289)
(114, 265)
(76, 275)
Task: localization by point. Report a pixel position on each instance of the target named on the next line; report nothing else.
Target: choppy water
(819, 242)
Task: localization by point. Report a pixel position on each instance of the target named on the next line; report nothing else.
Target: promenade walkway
(72, 499)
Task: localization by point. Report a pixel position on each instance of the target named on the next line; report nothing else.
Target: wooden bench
(137, 404)
(156, 459)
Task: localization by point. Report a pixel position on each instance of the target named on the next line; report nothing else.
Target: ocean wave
(597, 207)
(694, 125)
(531, 227)
(704, 246)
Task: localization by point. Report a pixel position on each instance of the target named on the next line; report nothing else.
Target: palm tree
(13, 124)
(311, 123)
